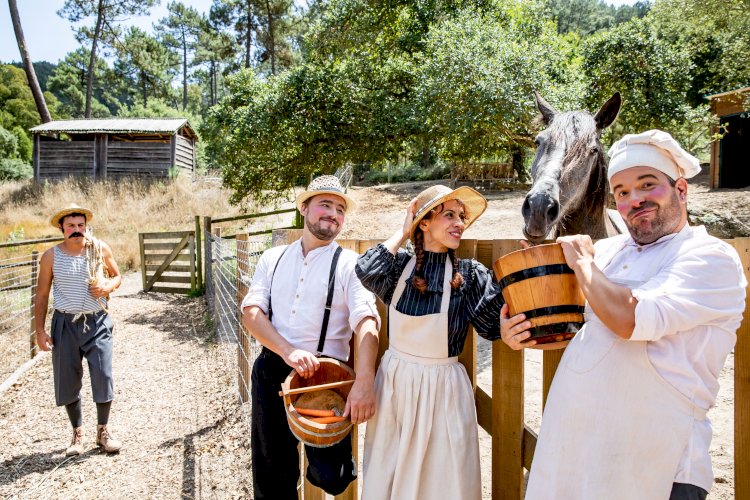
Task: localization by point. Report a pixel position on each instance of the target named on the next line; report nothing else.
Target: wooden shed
(730, 157)
(113, 148)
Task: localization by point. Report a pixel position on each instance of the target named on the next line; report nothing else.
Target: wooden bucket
(333, 375)
(538, 283)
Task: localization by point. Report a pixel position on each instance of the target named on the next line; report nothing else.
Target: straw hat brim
(474, 203)
(306, 195)
(55, 219)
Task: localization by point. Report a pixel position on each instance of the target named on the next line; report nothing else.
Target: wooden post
(141, 244)
(507, 409)
(198, 251)
(37, 155)
(550, 361)
(208, 264)
(742, 389)
(191, 254)
(33, 349)
(243, 344)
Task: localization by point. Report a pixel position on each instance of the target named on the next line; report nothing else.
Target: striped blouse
(70, 284)
(476, 302)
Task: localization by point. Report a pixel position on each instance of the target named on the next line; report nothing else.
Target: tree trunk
(271, 41)
(248, 33)
(184, 72)
(212, 83)
(143, 88)
(92, 58)
(28, 66)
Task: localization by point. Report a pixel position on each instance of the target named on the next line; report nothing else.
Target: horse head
(569, 173)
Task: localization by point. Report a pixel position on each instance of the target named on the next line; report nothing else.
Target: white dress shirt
(690, 289)
(300, 288)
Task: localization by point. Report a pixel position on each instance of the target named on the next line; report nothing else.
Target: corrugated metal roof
(740, 90)
(115, 125)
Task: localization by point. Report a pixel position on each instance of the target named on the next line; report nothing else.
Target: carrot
(309, 412)
(327, 420)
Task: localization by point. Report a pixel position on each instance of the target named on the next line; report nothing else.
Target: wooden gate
(168, 258)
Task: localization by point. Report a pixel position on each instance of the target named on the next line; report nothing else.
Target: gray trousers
(89, 336)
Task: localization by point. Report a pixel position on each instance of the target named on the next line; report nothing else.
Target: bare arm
(41, 302)
(260, 327)
(612, 303)
(361, 402)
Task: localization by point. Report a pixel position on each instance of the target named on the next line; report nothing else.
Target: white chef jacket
(300, 288)
(690, 304)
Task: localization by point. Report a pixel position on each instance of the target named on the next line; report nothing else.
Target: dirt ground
(176, 408)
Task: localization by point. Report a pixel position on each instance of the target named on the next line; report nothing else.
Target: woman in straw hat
(422, 441)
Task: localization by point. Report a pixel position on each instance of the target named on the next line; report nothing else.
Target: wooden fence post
(742, 389)
(243, 337)
(209, 266)
(198, 254)
(507, 409)
(142, 248)
(33, 349)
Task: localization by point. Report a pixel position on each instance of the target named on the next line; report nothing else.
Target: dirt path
(175, 410)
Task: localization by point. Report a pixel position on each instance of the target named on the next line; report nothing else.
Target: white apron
(422, 442)
(613, 427)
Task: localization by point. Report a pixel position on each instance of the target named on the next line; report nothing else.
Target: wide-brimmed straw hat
(325, 184)
(474, 203)
(71, 209)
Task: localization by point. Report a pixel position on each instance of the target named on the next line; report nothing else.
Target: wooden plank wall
(60, 159)
(184, 153)
(141, 159)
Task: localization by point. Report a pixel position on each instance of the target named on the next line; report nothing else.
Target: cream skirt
(422, 442)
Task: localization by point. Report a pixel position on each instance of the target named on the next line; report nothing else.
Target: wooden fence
(173, 253)
(501, 413)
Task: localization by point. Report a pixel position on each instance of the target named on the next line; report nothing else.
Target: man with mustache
(304, 302)
(626, 413)
(81, 325)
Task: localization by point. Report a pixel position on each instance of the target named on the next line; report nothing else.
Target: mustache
(75, 235)
(330, 220)
(646, 204)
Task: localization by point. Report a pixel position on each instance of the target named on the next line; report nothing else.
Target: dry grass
(121, 209)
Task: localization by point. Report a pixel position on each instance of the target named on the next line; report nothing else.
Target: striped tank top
(70, 284)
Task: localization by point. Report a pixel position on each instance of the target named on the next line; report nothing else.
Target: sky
(49, 37)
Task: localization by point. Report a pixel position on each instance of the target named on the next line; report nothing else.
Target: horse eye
(537, 141)
(594, 150)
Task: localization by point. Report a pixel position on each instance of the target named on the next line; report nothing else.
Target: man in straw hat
(81, 326)
(304, 302)
(626, 413)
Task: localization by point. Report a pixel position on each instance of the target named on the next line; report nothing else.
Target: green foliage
(652, 76)
(8, 144)
(586, 17)
(43, 70)
(68, 82)
(13, 169)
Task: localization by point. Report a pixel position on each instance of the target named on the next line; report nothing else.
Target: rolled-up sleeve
(361, 302)
(379, 270)
(702, 287)
(486, 300)
(259, 292)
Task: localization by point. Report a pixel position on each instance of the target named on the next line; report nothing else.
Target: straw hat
(438, 194)
(325, 184)
(653, 148)
(71, 209)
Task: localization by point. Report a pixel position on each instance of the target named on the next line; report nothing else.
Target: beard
(323, 234)
(666, 218)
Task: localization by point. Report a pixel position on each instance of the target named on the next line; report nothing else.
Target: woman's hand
(515, 331)
(409, 220)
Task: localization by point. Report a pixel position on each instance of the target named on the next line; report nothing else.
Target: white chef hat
(653, 148)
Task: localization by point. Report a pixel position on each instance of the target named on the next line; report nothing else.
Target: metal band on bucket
(535, 272)
(555, 329)
(550, 310)
(294, 425)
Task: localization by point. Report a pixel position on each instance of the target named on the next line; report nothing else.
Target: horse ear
(608, 112)
(545, 108)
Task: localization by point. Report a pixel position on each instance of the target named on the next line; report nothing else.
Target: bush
(12, 169)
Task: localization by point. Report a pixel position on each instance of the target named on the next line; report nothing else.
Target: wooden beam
(742, 388)
(167, 261)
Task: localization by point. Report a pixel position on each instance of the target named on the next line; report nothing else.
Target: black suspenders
(329, 298)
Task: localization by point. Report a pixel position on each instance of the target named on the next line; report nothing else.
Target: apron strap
(270, 286)
(329, 300)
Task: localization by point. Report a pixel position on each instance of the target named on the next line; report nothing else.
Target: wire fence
(232, 264)
(19, 265)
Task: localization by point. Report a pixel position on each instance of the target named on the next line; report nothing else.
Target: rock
(719, 225)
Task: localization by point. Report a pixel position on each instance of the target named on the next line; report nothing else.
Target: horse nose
(542, 205)
(553, 209)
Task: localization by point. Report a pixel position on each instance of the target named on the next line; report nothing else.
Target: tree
(215, 50)
(107, 14)
(384, 80)
(180, 30)
(68, 82)
(36, 90)
(652, 75)
(145, 65)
